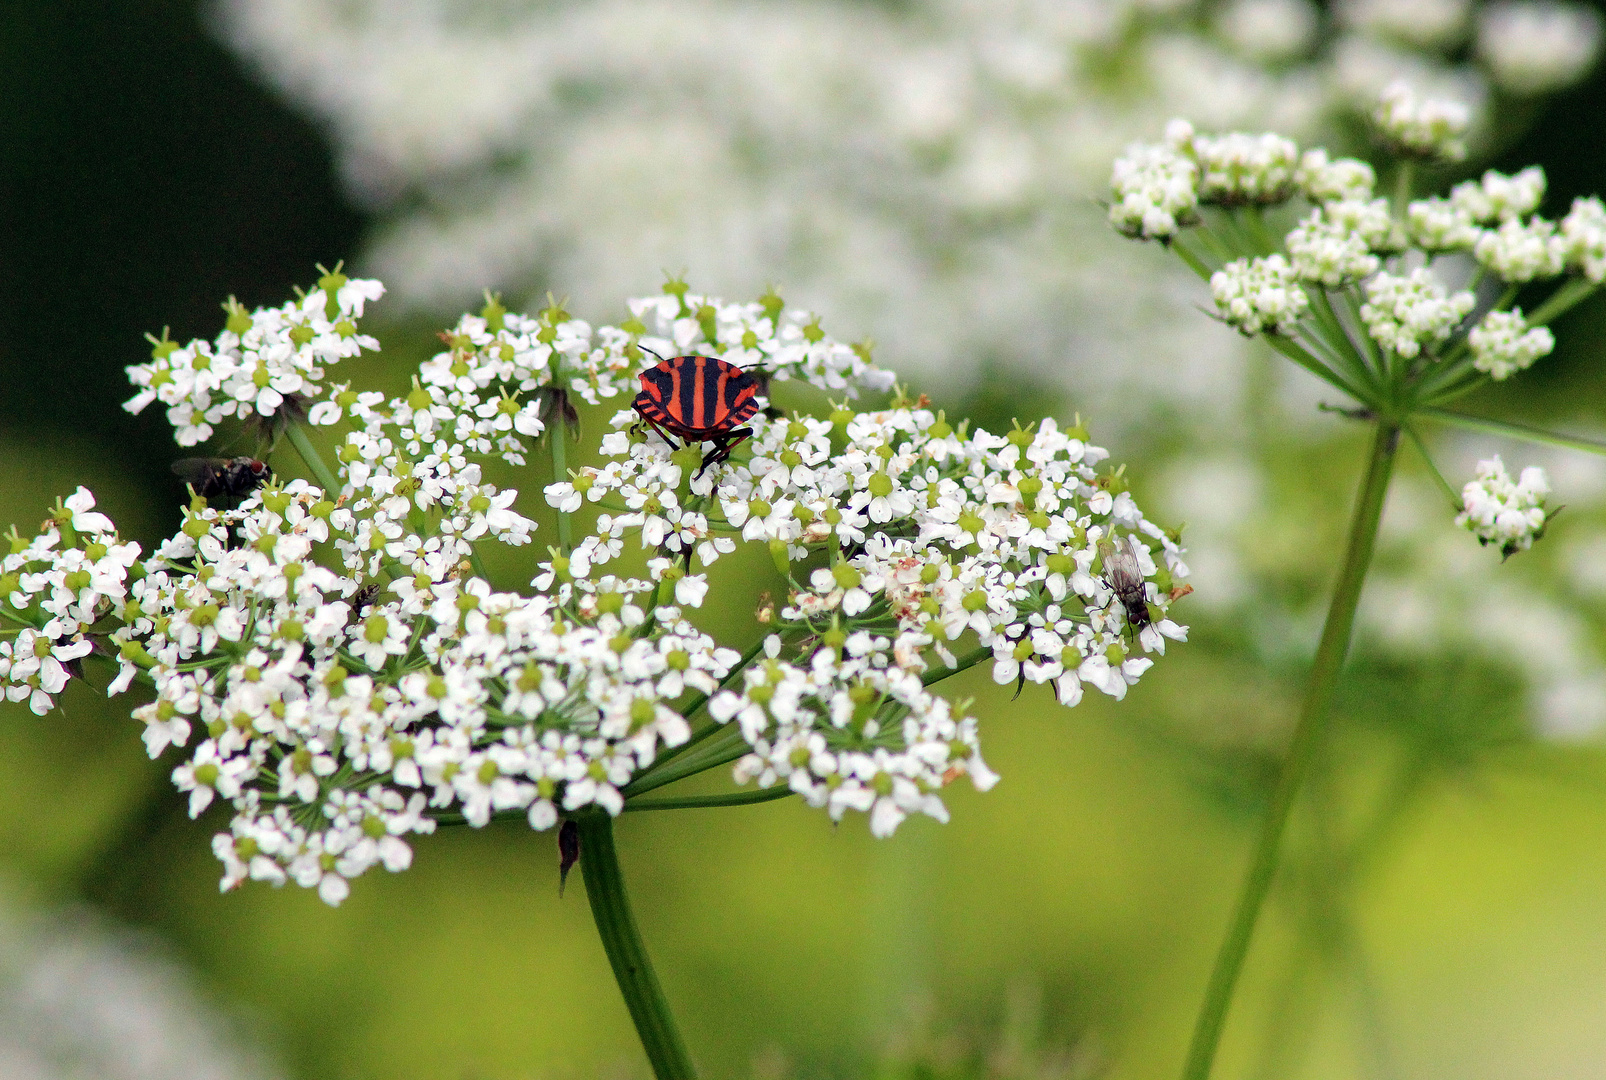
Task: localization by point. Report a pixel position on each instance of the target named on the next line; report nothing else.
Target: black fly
(1124, 575)
(223, 482)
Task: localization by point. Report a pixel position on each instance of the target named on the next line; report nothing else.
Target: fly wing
(1122, 568)
(204, 474)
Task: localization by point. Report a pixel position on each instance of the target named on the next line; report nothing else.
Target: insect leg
(661, 432)
(724, 443)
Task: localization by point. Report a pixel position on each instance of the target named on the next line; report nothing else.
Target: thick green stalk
(320, 471)
(610, 907)
(1308, 737)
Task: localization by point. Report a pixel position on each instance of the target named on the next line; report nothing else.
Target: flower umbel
(333, 664)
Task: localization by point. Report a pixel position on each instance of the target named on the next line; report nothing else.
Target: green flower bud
(778, 555)
(846, 576)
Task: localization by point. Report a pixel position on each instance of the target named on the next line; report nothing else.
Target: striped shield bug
(698, 399)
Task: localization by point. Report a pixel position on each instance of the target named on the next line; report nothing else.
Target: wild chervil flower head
(261, 360)
(333, 664)
(1403, 304)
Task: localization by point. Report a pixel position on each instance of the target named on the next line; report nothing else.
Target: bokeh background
(924, 173)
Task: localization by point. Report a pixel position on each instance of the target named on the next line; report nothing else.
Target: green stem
(1309, 734)
(559, 434)
(1195, 263)
(695, 802)
(1512, 431)
(298, 439)
(695, 706)
(1304, 359)
(1402, 190)
(727, 748)
(1444, 485)
(610, 907)
(969, 660)
(1563, 299)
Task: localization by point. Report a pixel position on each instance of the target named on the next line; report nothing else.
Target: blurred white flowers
(924, 171)
(82, 1000)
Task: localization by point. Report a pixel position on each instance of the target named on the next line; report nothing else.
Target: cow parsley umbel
(329, 659)
(1403, 305)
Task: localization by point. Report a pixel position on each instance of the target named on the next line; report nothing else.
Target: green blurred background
(1443, 911)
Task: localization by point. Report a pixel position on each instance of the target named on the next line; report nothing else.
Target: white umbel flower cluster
(1508, 515)
(1337, 242)
(1584, 230)
(262, 359)
(1155, 187)
(1238, 169)
(1259, 294)
(1521, 251)
(1503, 344)
(1496, 197)
(335, 668)
(1403, 313)
(53, 587)
(1322, 179)
(1422, 127)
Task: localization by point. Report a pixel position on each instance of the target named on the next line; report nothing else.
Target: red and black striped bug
(699, 399)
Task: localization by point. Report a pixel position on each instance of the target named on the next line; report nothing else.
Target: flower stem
(963, 663)
(1513, 431)
(1308, 737)
(699, 802)
(610, 907)
(559, 434)
(298, 439)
